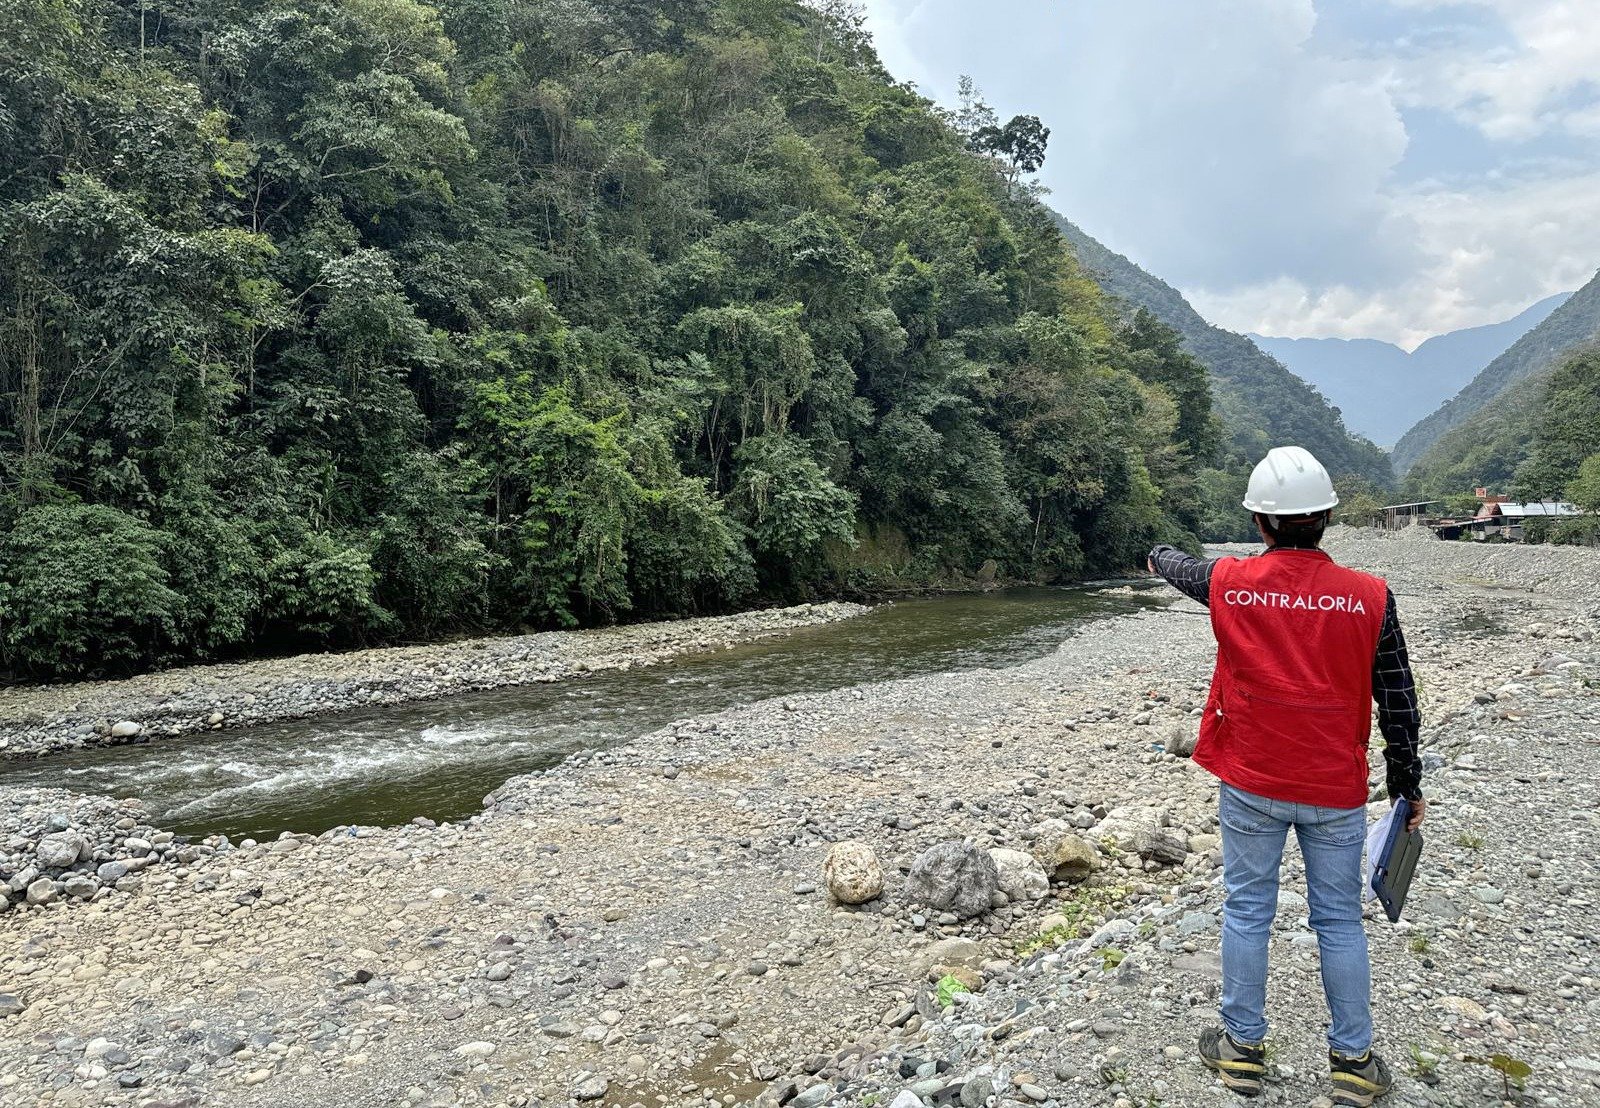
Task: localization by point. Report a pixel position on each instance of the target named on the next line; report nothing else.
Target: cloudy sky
(1359, 168)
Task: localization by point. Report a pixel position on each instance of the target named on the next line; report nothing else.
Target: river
(439, 758)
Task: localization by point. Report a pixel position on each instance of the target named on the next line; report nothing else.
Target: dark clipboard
(1397, 862)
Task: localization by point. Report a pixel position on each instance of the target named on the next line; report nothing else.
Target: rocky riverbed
(37, 720)
(652, 925)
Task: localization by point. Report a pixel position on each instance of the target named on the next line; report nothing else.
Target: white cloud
(1230, 150)
(1487, 254)
(893, 24)
(1521, 92)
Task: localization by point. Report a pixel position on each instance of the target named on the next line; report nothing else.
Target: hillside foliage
(1530, 358)
(1538, 440)
(343, 321)
(1260, 402)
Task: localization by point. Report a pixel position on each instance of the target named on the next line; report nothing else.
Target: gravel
(633, 908)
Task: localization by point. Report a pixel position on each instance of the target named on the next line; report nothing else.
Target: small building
(1505, 519)
(1397, 517)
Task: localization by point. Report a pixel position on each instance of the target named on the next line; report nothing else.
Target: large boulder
(1062, 853)
(1022, 878)
(62, 849)
(852, 873)
(954, 876)
(1140, 831)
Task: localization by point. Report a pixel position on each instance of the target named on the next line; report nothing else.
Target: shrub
(82, 587)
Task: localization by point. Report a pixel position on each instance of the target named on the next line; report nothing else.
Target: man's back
(1289, 714)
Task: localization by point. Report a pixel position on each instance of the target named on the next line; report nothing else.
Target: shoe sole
(1245, 1086)
(1350, 1091)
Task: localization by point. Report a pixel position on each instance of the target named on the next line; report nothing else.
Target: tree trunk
(28, 391)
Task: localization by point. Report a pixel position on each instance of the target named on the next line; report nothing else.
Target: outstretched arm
(1186, 573)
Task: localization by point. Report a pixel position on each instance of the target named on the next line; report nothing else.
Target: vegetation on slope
(1575, 322)
(351, 320)
(1537, 440)
(1261, 403)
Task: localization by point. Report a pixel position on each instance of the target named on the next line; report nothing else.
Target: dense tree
(1020, 146)
(349, 320)
(1584, 488)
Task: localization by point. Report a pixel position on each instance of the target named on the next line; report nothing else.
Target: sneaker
(1240, 1065)
(1357, 1082)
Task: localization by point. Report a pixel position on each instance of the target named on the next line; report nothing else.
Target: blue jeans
(1253, 832)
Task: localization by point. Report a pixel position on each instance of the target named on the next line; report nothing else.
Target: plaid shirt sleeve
(1398, 717)
(1184, 572)
(1392, 687)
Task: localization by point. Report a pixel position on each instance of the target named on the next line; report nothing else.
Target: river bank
(648, 925)
(36, 720)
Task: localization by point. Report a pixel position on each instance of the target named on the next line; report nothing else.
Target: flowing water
(439, 758)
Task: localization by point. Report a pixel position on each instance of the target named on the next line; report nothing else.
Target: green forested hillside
(1575, 322)
(352, 320)
(1537, 440)
(1261, 403)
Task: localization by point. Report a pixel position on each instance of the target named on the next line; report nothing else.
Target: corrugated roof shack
(1508, 521)
(1397, 517)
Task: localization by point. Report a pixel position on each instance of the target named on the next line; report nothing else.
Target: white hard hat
(1289, 481)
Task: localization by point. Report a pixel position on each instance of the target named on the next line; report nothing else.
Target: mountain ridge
(1381, 388)
(1241, 372)
(1535, 354)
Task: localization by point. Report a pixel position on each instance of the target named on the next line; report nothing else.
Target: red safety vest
(1290, 710)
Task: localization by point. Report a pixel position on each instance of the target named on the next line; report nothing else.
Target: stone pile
(59, 846)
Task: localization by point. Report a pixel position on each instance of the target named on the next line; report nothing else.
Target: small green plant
(1111, 958)
(1049, 939)
(1147, 928)
(947, 988)
(1424, 1065)
(1469, 840)
(1113, 1075)
(1088, 906)
(1512, 1071)
(1419, 944)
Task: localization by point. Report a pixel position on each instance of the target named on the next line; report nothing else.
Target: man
(1303, 645)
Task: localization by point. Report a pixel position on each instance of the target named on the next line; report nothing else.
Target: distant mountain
(1380, 389)
(1535, 354)
(1262, 403)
